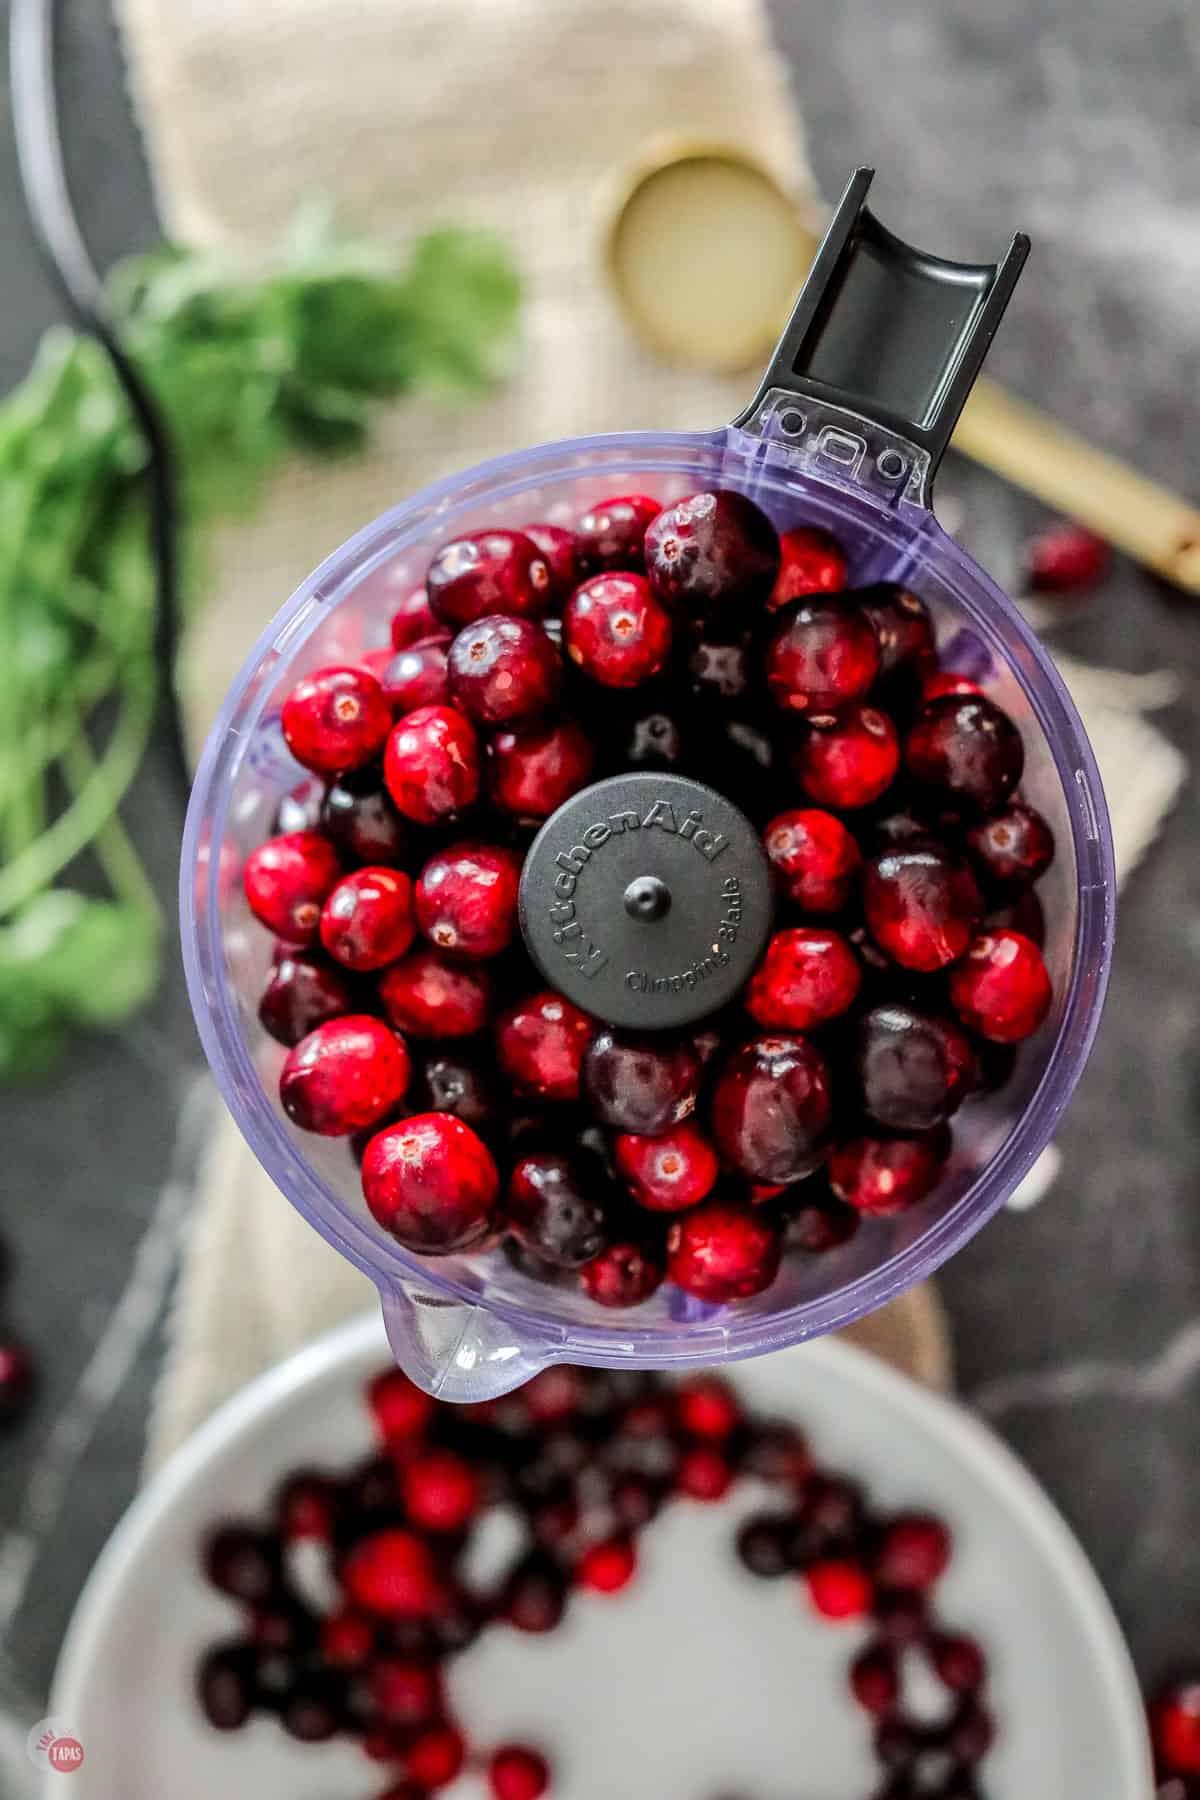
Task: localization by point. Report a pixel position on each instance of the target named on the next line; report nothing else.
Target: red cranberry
(965, 751)
(607, 1567)
(559, 551)
(367, 921)
(302, 993)
(914, 1552)
(849, 760)
(1066, 558)
(816, 858)
(811, 561)
(971, 1734)
(762, 1546)
(466, 899)
(490, 572)
(642, 1084)
(435, 1757)
(532, 771)
(709, 550)
(225, 1686)
(344, 1076)
(914, 1070)
(704, 1473)
(440, 1491)
(504, 671)
(418, 676)
(838, 1588)
(431, 764)
(336, 719)
(540, 1045)
(405, 1692)
(286, 882)
(707, 1407)
(772, 1109)
(723, 1251)
(807, 976)
(517, 1773)
(535, 1594)
(431, 997)
(400, 1409)
(875, 1680)
(903, 627)
(553, 1212)
(616, 631)
(304, 1507)
(668, 1173)
(347, 1640)
(17, 1380)
(921, 904)
(959, 1664)
(243, 1563)
(820, 1225)
(624, 1274)
(358, 816)
(822, 653)
(944, 681)
(885, 1176)
(413, 620)
(1001, 988)
(392, 1573)
(1175, 1728)
(611, 534)
(1013, 847)
(431, 1182)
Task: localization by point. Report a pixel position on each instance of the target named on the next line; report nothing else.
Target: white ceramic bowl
(682, 1689)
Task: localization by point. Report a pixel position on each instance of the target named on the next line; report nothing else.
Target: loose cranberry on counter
(807, 976)
(431, 997)
(1175, 1728)
(615, 631)
(815, 857)
(418, 676)
(823, 653)
(611, 534)
(849, 760)
(965, 752)
(913, 1552)
(559, 551)
(607, 1567)
(431, 764)
(336, 719)
(1065, 559)
(838, 1589)
(885, 1176)
(921, 904)
(466, 899)
(440, 1491)
(914, 1070)
(1012, 848)
(344, 1076)
(667, 1173)
(532, 771)
(517, 1773)
(712, 550)
(811, 561)
(287, 880)
(1001, 988)
(624, 1274)
(540, 1045)
(875, 1680)
(368, 921)
(413, 620)
(504, 671)
(302, 992)
(17, 1380)
(435, 1757)
(554, 1211)
(903, 627)
(225, 1685)
(490, 572)
(400, 1409)
(431, 1182)
(642, 1084)
(960, 1665)
(772, 1108)
(358, 816)
(722, 1251)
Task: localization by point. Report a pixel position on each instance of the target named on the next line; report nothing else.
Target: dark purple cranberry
(965, 752)
(335, 719)
(762, 1545)
(903, 627)
(913, 1552)
(1013, 847)
(820, 1225)
(534, 1596)
(896, 830)
(643, 1084)
(17, 1380)
(418, 676)
(778, 1452)
(959, 1664)
(300, 809)
(898, 1744)
(719, 671)
(454, 1081)
(875, 1680)
(901, 1617)
(655, 741)
(922, 905)
(243, 1563)
(772, 1109)
(914, 1070)
(834, 1509)
(623, 1274)
(1025, 915)
(822, 653)
(504, 671)
(615, 631)
(971, 1734)
(635, 1498)
(554, 1211)
(712, 550)
(358, 816)
(611, 534)
(723, 1250)
(311, 1713)
(560, 553)
(225, 1685)
(994, 1068)
(349, 1073)
(488, 572)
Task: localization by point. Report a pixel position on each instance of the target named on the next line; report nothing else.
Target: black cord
(60, 242)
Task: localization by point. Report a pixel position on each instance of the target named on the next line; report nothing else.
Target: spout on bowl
(457, 1351)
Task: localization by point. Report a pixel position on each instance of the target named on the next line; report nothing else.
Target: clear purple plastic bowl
(471, 1327)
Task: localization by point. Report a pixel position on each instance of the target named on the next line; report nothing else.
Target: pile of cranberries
(905, 964)
(1175, 1734)
(585, 1460)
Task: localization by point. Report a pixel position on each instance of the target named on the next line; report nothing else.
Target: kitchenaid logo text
(641, 982)
(577, 948)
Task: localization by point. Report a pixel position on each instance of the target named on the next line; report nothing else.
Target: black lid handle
(887, 330)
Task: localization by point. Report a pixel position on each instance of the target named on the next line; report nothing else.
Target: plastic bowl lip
(727, 1336)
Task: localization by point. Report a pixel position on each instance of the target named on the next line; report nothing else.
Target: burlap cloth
(513, 114)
